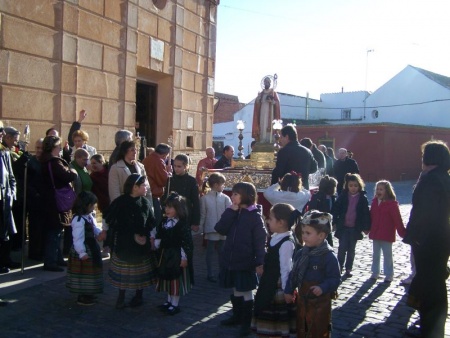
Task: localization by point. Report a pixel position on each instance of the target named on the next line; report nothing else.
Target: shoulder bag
(65, 196)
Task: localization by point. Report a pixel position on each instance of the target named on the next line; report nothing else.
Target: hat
(11, 131)
(317, 217)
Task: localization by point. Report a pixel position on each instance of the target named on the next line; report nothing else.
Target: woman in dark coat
(56, 220)
(428, 233)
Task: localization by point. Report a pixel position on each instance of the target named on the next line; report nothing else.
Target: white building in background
(413, 97)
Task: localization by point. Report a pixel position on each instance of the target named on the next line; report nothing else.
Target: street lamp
(276, 126)
(365, 85)
(240, 126)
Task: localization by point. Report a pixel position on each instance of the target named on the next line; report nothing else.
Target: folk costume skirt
(241, 280)
(176, 287)
(84, 277)
(279, 320)
(134, 275)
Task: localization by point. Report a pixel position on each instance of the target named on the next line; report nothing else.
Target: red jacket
(157, 175)
(386, 219)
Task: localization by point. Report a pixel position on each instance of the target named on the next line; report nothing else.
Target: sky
(322, 46)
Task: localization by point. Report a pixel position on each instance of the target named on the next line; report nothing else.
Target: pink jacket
(386, 219)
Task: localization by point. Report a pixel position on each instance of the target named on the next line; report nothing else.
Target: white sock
(175, 300)
(248, 295)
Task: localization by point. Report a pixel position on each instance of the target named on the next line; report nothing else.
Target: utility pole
(365, 85)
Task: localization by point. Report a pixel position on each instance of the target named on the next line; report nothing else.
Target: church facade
(142, 65)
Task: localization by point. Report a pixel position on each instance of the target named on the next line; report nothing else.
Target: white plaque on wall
(157, 49)
(190, 122)
(210, 86)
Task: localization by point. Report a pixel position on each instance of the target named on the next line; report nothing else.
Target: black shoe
(135, 302)
(173, 310)
(4, 269)
(164, 307)
(3, 303)
(53, 268)
(85, 300)
(63, 263)
(13, 265)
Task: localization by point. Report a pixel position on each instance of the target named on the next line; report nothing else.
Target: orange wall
(392, 153)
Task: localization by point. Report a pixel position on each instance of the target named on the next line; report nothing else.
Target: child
(243, 252)
(386, 218)
(352, 216)
(212, 206)
(131, 219)
(185, 185)
(272, 316)
(324, 199)
(316, 276)
(84, 271)
(289, 190)
(175, 241)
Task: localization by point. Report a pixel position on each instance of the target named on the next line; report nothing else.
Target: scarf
(300, 265)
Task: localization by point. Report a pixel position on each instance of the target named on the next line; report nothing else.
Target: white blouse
(78, 232)
(297, 199)
(286, 251)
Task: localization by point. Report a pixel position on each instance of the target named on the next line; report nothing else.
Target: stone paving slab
(41, 306)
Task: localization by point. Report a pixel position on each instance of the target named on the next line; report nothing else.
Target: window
(346, 114)
(189, 141)
(375, 113)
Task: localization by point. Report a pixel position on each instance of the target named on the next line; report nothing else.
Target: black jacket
(126, 217)
(186, 186)
(223, 162)
(294, 157)
(429, 223)
(341, 168)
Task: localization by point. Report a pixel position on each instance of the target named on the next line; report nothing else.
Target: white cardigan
(212, 206)
(297, 199)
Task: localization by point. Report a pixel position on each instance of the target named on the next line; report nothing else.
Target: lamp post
(240, 126)
(276, 126)
(365, 85)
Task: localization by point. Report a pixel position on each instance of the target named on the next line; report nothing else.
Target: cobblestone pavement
(41, 306)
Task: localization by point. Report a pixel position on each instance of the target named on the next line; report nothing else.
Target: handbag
(169, 264)
(65, 196)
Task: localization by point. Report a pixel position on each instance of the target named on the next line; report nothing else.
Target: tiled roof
(441, 79)
(225, 106)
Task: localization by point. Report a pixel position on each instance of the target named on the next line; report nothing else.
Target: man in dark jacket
(329, 162)
(225, 160)
(293, 157)
(318, 156)
(7, 195)
(342, 166)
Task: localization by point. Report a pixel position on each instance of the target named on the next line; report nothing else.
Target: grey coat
(7, 195)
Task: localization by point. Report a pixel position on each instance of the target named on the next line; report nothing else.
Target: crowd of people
(150, 210)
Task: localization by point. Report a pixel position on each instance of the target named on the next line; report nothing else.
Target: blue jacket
(245, 245)
(324, 270)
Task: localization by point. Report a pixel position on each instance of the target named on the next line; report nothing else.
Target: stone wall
(58, 57)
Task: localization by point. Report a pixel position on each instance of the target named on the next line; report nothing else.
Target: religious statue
(266, 109)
